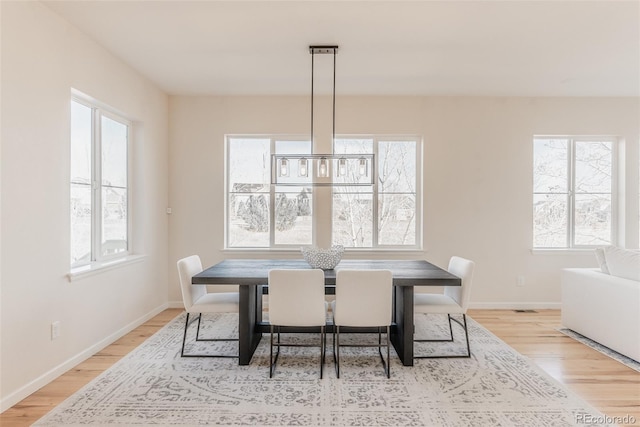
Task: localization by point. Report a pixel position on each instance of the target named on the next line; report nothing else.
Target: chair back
(363, 298)
(187, 268)
(296, 297)
(463, 268)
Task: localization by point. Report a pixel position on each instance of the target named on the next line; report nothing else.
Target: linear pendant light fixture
(322, 169)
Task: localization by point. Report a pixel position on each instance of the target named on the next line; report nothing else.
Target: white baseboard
(54, 373)
(476, 305)
(516, 305)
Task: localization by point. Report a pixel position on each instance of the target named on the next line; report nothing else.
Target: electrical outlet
(55, 329)
(520, 281)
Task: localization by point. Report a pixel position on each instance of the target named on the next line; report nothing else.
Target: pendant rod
(333, 137)
(323, 49)
(313, 54)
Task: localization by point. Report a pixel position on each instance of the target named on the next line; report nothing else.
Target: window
(383, 215)
(573, 192)
(99, 184)
(251, 220)
(260, 215)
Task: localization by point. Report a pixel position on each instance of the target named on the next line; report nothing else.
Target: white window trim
(88, 270)
(570, 247)
(375, 247)
(99, 262)
(562, 251)
(273, 247)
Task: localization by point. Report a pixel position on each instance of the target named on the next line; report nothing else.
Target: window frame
(98, 111)
(570, 230)
(375, 193)
(272, 194)
(329, 195)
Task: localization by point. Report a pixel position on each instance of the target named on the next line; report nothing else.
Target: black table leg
(248, 337)
(402, 337)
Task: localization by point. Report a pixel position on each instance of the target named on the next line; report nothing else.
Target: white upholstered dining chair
(455, 300)
(296, 299)
(197, 301)
(363, 299)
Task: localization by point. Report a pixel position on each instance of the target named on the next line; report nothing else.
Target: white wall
(477, 175)
(43, 57)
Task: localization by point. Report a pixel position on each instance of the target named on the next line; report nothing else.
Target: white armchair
(197, 301)
(363, 299)
(296, 298)
(455, 300)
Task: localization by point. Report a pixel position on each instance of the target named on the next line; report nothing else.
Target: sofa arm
(602, 307)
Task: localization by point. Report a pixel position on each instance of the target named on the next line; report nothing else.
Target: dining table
(251, 276)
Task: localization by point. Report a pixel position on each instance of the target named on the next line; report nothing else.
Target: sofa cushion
(623, 262)
(602, 261)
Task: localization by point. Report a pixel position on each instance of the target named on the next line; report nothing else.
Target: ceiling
(494, 48)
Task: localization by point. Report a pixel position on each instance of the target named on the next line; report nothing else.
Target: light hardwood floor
(608, 385)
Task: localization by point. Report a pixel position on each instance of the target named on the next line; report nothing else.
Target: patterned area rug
(153, 385)
(602, 349)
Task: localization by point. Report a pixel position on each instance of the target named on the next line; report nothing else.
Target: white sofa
(603, 307)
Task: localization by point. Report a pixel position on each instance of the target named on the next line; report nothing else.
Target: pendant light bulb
(342, 166)
(363, 166)
(303, 167)
(323, 167)
(284, 167)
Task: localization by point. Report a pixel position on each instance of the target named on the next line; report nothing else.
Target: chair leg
(464, 326)
(386, 365)
(388, 353)
(450, 326)
(322, 348)
(198, 329)
(336, 354)
(324, 351)
(184, 339)
(333, 336)
(273, 360)
(466, 334)
(271, 352)
(209, 339)
(450, 339)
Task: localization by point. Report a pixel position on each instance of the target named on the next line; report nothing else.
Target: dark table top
(255, 271)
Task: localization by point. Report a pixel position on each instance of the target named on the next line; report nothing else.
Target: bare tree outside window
(352, 218)
(572, 192)
(397, 193)
(392, 199)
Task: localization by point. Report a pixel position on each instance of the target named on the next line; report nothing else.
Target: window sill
(100, 267)
(260, 250)
(296, 251)
(569, 251)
